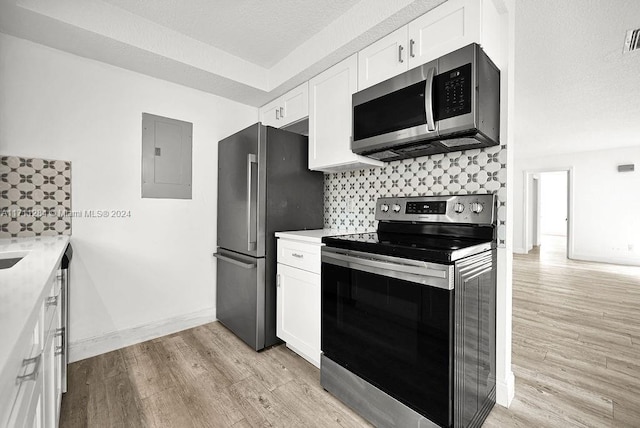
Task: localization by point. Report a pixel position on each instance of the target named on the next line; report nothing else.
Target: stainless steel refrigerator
(264, 186)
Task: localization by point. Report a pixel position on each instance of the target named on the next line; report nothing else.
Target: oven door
(390, 321)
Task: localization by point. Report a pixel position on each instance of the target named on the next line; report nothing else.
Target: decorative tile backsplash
(35, 197)
(350, 197)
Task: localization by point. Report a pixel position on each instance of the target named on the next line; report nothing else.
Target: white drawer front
(299, 255)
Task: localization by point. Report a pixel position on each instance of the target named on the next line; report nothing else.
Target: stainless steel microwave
(446, 105)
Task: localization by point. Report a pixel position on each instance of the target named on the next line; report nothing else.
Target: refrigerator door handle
(246, 265)
(251, 205)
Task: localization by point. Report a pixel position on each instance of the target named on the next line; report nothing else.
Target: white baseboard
(93, 346)
(520, 251)
(627, 261)
(505, 390)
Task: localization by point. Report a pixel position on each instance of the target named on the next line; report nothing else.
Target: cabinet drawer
(299, 255)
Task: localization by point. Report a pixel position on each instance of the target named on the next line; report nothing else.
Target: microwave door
(395, 112)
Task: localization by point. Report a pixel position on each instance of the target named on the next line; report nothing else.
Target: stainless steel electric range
(408, 313)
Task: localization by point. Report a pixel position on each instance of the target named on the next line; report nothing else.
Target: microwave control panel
(453, 92)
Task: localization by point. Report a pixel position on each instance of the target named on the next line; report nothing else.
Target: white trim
(528, 177)
(627, 261)
(505, 390)
(108, 342)
(520, 250)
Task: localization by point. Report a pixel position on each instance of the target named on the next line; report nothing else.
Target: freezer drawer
(240, 296)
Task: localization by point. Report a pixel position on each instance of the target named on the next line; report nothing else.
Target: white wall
(553, 203)
(604, 220)
(578, 108)
(155, 268)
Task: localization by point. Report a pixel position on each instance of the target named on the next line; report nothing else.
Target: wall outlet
(351, 204)
(630, 247)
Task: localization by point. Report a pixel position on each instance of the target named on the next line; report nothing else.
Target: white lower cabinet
(39, 379)
(298, 298)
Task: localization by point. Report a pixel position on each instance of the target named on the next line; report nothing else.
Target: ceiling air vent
(632, 41)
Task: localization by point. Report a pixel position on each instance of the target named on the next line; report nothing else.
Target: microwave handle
(428, 99)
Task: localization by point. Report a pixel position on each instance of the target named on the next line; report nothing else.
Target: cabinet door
(298, 311)
(295, 104)
(49, 374)
(383, 59)
(270, 114)
(330, 116)
(448, 27)
(58, 345)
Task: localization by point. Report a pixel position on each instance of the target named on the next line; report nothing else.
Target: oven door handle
(440, 276)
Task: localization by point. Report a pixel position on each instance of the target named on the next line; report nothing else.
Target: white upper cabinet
(330, 113)
(287, 109)
(383, 59)
(270, 113)
(450, 26)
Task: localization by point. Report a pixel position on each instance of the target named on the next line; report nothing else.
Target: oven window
(398, 110)
(395, 334)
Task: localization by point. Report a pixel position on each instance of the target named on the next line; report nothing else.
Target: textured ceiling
(574, 88)
(259, 31)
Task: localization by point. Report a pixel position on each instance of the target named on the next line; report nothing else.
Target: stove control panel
(469, 209)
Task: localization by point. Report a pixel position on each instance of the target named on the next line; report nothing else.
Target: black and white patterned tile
(350, 197)
(35, 197)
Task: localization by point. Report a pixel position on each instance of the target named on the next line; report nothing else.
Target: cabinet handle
(297, 256)
(52, 301)
(277, 114)
(428, 97)
(278, 280)
(34, 374)
(60, 332)
(411, 43)
(281, 113)
(400, 48)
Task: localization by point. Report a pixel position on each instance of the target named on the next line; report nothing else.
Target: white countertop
(24, 285)
(314, 235)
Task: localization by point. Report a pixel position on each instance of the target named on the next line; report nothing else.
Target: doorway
(548, 212)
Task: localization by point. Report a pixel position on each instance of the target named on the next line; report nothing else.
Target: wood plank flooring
(202, 377)
(576, 342)
(576, 357)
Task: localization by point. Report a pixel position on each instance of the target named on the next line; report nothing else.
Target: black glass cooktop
(429, 248)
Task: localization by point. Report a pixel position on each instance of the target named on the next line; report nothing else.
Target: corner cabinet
(287, 109)
(298, 297)
(330, 113)
(450, 26)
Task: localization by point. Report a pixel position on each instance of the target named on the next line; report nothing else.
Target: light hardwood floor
(576, 357)
(576, 342)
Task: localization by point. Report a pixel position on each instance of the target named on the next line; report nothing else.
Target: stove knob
(458, 207)
(396, 208)
(384, 208)
(477, 207)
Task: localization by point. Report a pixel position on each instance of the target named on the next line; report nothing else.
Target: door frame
(529, 176)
